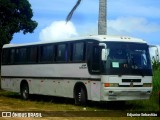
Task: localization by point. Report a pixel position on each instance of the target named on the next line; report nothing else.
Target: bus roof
(100, 38)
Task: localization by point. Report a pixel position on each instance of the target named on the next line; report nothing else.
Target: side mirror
(104, 54)
(104, 51)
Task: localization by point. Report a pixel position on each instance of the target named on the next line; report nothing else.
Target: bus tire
(80, 96)
(25, 91)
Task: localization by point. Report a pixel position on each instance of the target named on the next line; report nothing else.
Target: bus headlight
(147, 84)
(111, 84)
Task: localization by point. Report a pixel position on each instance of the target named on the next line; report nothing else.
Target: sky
(135, 18)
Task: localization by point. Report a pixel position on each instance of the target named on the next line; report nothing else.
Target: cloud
(132, 25)
(145, 8)
(58, 30)
(87, 28)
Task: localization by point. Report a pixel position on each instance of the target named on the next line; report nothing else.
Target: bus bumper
(124, 94)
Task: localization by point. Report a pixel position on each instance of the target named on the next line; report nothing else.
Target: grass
(12, 102)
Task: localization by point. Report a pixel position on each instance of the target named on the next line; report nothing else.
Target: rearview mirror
(104, 54)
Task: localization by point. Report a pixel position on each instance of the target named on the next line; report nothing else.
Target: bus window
(61, 53)
(78, 52)
(33, 53)
(21, 55)
(5, 56)
(12, 57)
(46, 53)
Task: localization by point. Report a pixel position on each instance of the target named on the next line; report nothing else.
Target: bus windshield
(127, 59)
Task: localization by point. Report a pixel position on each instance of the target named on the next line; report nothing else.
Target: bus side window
(21, 55)
(5, 56)
(46, 53)
(62, 53)
(33, 54)
(8, 56)
(12, 57)
(78, 52)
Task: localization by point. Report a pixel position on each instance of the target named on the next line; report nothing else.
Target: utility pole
(102, 24)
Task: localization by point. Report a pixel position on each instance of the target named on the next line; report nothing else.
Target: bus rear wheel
(25, 91)
(80, 96)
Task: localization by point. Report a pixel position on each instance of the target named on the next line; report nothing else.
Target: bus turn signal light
(106, 84)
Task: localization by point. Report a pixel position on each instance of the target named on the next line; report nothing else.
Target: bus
(91, 68)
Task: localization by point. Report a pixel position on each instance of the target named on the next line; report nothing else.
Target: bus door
(95, 59)
(95, 70)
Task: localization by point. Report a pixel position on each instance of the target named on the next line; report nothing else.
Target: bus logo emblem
(131, 85)
(84, 66)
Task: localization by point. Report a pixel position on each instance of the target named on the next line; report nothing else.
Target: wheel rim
(79, 96)
(25, 93)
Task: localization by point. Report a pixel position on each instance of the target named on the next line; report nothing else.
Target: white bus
(95, 68)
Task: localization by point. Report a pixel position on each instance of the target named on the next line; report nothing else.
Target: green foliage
(155, 65)
(156, 80)
(156, 76)
(15, 16)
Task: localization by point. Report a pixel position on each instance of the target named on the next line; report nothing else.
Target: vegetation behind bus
(156, 76)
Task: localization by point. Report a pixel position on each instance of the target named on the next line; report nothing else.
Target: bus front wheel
(80, 96)
(25, 91)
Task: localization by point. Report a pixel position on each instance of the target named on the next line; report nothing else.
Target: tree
(15, 16)
(102, 24)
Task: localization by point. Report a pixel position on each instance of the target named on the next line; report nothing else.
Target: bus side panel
(10, 84)
(6, 84)
(53, 87)
(34, 85)
(46, 71)
(95, 90)
(65, 88)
